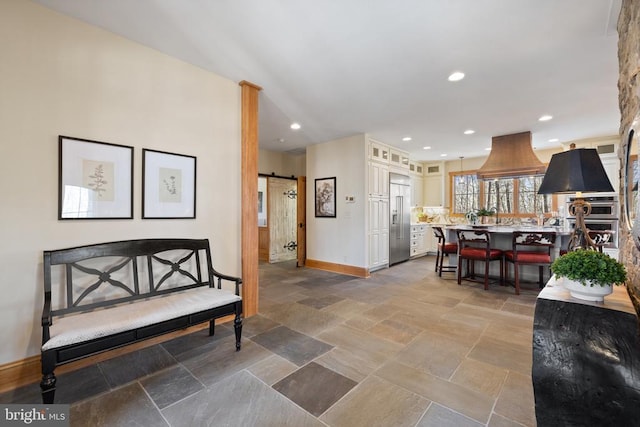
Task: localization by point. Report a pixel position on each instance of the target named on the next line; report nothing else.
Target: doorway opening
(281, 221)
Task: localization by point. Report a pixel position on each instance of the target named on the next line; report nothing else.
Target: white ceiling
(341, 67)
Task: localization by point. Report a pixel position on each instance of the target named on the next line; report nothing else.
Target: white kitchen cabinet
(378, 180)
(378, 152)
(378, 233)
(433, 192)
(419, 234)
(431, 241)
(378, 216)
(399, 159)
(417, 190)
(423, 241)
(416, 168)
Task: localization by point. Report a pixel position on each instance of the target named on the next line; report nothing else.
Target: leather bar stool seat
(443, 249)
(532, 248)
(475, 245)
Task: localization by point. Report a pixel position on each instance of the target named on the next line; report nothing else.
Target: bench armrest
(46, 313)
(220, 276)
(46, 318)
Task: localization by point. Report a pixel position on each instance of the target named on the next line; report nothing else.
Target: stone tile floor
(401, 348)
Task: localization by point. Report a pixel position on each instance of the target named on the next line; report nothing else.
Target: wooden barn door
(282, 208)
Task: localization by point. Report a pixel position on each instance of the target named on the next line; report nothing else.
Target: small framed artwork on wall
(95, 179)
(168, 185)
(325, 197)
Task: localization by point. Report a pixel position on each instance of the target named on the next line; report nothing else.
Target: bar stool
(529, 248)
(444, 249)
(475, 245)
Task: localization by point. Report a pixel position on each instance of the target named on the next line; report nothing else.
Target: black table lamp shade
(575, 170)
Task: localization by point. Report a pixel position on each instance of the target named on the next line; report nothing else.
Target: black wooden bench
(109, 295)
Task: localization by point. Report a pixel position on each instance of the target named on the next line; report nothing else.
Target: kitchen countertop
(491, 228)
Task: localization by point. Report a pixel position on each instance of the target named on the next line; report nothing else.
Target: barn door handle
(291, 246)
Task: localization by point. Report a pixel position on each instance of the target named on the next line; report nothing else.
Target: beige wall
(283, 164)
(61, 77)
(343, 239)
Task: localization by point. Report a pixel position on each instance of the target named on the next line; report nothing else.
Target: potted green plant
(589, 274)
(483, 213)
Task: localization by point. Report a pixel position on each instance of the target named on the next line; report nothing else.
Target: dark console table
(586, 359)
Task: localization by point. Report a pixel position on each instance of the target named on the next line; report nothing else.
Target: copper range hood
(511, 156)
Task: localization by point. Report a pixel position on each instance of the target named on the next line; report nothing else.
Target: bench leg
(212, 327)
(48, 383)
(237, 325)
(48, 387)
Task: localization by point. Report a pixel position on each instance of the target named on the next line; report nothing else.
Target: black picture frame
(325, 197)
(95, 179)
(168, 185)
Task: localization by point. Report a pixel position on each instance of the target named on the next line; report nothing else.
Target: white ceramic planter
(588, 293)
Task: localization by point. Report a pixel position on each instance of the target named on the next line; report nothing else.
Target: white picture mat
(154, 207)
(78, 201)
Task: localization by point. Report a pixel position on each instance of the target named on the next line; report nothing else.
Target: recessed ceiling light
(426, 148)
(456, 76)
(554, 140)
(295, 126)
(469, 132)
(406, 138)
(443, 155)
(545, 118)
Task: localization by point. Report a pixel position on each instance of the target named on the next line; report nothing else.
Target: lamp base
(580, 236)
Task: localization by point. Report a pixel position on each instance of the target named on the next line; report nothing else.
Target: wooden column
(249, 119)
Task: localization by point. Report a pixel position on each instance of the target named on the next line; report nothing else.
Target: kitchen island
(502, 235)
(502, 238)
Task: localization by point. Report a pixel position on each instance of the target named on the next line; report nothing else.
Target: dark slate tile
(223, 361)
(240, 400)
(321, 302)
(195, 343)
(170, 386)
(29, 393)
(314, 387)
(126, 406)
(80, 385)
(257, 324)
(293, 346)
(71, 387)
(129, 367)
(327, 280)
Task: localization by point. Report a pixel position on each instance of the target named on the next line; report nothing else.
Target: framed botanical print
(168, 185)
(95, 179)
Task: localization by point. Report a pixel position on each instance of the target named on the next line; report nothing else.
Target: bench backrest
(93, 276)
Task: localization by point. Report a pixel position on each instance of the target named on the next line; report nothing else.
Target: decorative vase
(588, 292)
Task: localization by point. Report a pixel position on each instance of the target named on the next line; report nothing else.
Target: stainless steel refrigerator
(400, 218)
